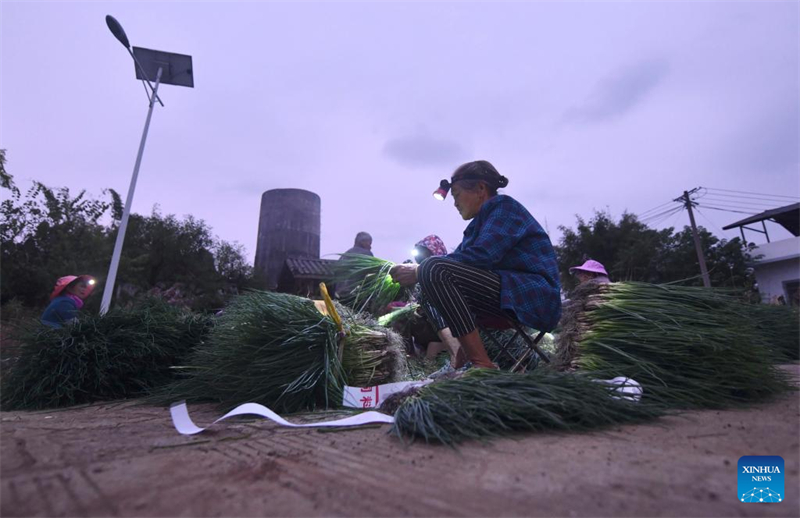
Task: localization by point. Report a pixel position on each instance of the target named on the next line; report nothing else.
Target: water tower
(288, 226)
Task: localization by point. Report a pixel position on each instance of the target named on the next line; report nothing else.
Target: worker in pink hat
(67, 299)
(590, 271)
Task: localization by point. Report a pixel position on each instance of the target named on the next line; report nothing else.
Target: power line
(644, 214)
(754, 210)
(729, 205)
(656, 216)
(795, 198)
(750, 203)
(677, 213)
(674, 211)
(748, 194)
(747, 199)
(738, 201)
(667, 213)
(707, 219)
(726, 210)
(676, 219)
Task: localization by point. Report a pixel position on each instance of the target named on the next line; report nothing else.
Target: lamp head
(117, 30)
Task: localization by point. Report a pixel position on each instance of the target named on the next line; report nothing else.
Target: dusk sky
(618, 106)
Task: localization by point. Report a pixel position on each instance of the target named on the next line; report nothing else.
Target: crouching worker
(590, 271)
(433, 246)
(505, 266)
(67, 299)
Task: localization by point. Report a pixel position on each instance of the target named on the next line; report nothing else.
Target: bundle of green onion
(485, 403)
(689, 347)
(779, 327)
(398, 315)
(373, 356)
(123, 354)
(280, 351)
(364, 284)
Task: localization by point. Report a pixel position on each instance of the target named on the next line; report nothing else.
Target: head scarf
(433, 243)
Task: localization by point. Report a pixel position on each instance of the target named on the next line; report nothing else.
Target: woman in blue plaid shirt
(505, 266)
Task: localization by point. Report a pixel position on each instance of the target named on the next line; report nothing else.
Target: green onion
(689, 347)
(123, 354)
(280, 351)
(397, 315)
(779, 327)
(372, 288)
(485, 403)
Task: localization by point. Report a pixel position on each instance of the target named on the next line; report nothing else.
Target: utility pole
(703, 270)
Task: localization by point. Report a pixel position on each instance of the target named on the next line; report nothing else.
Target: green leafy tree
(47, 233)
(229, 259)
(164, 252)
(726, 260)
(628, 249)
(6, 180)
(631, 251)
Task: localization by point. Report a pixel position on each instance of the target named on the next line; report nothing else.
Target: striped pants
(454, 293)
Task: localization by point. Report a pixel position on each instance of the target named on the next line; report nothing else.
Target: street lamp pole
(108, 291)
(169, 68)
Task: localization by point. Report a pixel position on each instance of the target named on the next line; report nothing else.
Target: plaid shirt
(507, 240)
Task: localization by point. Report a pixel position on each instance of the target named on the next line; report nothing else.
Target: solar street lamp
(167, 68)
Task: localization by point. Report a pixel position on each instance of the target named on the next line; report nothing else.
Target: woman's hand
(404, 274)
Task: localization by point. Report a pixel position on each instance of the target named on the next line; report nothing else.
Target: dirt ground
(125, 459)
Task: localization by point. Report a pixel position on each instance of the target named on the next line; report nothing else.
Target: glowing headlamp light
(441, 193)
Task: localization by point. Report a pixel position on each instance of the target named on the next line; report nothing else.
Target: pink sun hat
(63, 282)
(590, 266)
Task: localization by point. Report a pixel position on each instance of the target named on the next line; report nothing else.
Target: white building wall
(779, 263)
(771, 276)
(778, 250)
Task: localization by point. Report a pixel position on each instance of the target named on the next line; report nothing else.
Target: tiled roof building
(302, 275)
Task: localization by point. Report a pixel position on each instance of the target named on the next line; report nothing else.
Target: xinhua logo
(761, 479)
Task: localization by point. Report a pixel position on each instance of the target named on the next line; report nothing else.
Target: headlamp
(441, 193)
(445, 186)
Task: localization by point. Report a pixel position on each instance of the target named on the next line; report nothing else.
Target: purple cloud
(621, 92)
(421, 151)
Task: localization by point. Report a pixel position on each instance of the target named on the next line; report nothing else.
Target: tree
(229, 259)
(6, 180)
(164, 251)
(48, 233)
(628, 249)
(727, 260)
(631, 251)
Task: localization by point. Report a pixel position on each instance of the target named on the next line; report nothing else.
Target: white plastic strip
(356, 397)
(184, 424)
(372, 397)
